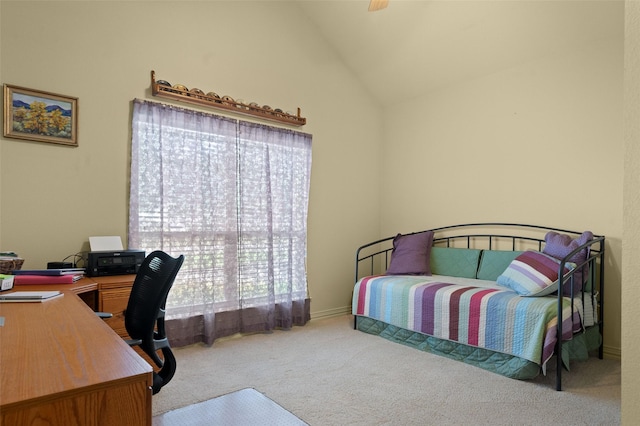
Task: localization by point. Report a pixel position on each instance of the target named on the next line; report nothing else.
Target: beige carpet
(326, 373)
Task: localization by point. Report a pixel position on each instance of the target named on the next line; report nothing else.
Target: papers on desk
(45, 279)
(29, 296)
(47, 276)
(50, 272)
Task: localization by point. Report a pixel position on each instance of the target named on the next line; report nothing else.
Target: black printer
(119, 262)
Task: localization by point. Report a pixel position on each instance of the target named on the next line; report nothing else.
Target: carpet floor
(326, 373)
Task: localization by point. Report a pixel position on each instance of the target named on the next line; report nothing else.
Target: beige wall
(631, 206)
(539, 143)
(55, 197)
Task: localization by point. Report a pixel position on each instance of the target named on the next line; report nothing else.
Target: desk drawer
(113, 297)
(115, 301)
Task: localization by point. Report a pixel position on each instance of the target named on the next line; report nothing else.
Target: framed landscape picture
(40, 116)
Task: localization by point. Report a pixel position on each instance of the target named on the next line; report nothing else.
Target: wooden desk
(86, 288)
(62, 365)
(104, 294)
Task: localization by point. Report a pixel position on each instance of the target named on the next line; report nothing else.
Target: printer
(113, 262)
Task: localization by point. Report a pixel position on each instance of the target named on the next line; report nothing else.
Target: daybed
(486, 294)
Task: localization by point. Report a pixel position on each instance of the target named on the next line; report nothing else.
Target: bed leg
(559, 366)
(559, 369)
(355, 322)
(601, 348)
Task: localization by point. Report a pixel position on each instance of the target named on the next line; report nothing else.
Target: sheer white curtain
(231, 196)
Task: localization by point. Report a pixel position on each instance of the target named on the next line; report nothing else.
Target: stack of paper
(29, 296)
(48, 276)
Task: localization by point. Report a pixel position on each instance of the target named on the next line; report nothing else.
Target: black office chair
(144, 316)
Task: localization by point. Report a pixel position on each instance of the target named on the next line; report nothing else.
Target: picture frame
(40, 116)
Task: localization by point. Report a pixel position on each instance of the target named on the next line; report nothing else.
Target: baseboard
(331, 312)
(612, 353)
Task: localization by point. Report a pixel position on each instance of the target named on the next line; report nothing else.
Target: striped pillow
(532, 274)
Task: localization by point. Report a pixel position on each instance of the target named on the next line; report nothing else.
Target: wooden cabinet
(113, 296)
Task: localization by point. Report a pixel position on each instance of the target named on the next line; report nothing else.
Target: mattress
(469, 318)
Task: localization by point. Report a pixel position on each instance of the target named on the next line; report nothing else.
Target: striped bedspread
(488, 317)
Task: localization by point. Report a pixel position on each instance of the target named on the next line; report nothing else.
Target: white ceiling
(415, 46)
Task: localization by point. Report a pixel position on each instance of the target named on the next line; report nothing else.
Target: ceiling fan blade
(377, 5)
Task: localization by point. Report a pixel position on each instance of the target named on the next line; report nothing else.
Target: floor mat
(242, 408)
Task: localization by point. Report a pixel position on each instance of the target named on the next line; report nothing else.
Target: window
(232, 196)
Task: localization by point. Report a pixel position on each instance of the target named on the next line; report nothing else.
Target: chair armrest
(133, 342)
(104, 314)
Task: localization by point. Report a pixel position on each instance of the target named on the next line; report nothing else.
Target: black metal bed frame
(518, 237)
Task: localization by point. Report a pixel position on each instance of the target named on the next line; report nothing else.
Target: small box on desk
(119, 262)
(6, 282)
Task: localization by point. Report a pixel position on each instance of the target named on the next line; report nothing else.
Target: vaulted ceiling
(415, 46)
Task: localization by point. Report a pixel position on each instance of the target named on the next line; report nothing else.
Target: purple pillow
(411, 254)
(560, 245)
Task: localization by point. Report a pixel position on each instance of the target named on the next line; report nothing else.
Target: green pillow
(494, 262)
(454, 262)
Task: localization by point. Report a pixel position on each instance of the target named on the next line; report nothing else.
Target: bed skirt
(510, 366)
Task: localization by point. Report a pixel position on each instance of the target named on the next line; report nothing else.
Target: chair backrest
(149, 294)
